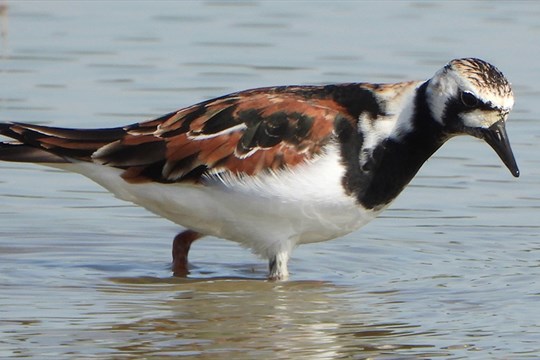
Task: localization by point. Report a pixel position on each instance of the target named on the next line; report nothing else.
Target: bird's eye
(468, 99)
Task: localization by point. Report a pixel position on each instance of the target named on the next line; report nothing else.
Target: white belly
(269, 213)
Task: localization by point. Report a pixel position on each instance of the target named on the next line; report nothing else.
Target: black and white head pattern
(469, 93)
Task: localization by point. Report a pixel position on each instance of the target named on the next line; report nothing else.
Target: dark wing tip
(24, 153)
(38, 143)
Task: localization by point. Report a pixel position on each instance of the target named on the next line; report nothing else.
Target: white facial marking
(482, 118)
(441, 88)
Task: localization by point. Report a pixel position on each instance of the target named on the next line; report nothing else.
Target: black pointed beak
(497, 138)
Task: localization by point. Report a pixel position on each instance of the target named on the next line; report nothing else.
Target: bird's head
(471, 96)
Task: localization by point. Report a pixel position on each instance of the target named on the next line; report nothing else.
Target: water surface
(449, 271)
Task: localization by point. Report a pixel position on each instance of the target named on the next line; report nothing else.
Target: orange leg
(180, 249)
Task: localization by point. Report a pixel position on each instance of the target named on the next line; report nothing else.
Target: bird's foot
(278, 269)
(180, 250)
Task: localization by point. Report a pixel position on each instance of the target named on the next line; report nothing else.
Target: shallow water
(449, 271)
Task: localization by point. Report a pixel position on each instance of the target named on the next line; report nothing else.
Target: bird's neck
(395, 160)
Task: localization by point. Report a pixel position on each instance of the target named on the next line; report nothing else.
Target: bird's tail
(44, 144)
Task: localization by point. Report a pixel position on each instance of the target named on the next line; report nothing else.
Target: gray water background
(449, 271)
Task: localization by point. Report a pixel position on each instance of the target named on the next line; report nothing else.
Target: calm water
(450, 271)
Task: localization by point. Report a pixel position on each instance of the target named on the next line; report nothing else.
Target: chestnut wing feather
(243, 133)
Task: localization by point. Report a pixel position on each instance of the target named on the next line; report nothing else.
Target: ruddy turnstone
(273, 168)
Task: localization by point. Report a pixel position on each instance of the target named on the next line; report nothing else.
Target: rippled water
(450, 271)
